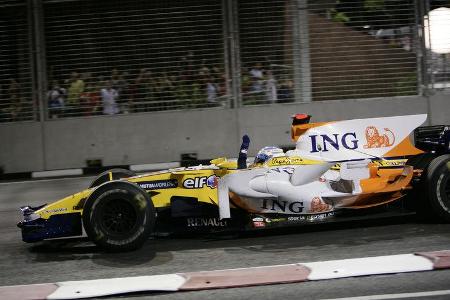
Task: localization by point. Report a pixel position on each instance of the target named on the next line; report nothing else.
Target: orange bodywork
(404, 148)
(383, 186)
(298, 130)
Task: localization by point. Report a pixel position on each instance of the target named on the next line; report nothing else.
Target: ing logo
(376, 140)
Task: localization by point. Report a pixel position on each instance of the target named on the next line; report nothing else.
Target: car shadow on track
(83, 249)
(157, 251)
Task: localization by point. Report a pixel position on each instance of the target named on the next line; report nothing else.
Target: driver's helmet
(267, 153)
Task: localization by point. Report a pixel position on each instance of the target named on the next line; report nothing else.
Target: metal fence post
(233, 22)
(423, 79)
(301, 59)
(40, 63)
(40, 73)
(226, 52)
(33, 79)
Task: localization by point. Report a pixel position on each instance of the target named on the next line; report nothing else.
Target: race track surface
(22, 263)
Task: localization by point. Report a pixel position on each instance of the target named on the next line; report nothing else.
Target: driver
(267, 153)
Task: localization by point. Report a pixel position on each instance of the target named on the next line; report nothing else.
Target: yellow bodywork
(74, 203)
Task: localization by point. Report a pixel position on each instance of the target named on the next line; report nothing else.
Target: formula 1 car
(336, 169)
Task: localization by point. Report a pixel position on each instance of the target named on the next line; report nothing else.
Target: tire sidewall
(116, 174)
(438, 178)
(137, 198)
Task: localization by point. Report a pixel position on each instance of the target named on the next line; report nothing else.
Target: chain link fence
(86, 58)
(106, 57)
(16, 100)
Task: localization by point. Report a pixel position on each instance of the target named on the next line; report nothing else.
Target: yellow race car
(336, 169)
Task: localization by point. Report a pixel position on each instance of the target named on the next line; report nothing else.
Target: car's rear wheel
(437, 187)
(113, 174)
(119, 216)
(415, 199)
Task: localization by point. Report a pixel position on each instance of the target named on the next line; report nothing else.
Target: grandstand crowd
(122, 92)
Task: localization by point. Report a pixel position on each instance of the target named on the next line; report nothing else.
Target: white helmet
(267, 153)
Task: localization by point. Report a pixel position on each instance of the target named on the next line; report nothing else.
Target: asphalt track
(22, 263)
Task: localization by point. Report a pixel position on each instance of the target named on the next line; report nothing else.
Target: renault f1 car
(337, 168)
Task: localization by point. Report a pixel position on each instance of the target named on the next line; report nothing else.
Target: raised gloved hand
(242, 160)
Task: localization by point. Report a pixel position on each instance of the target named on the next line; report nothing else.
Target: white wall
(164, 136)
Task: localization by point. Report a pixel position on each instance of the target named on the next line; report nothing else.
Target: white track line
(154, 167)
(57, 173)
(396, 296)
(44, 180)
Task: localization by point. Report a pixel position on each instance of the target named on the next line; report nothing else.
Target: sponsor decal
(283, 161)
(206, 222)
(390, 163)
(334, 141)
(259, 224)
(275, 220)
(380, 163)
(376, 140)
(199, 182)
(56, 210)
(288, 170)
(282, 206)
(317, 205)
(158, 184)
(311, 218)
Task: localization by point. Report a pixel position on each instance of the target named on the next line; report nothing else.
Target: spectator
(257, 78)
(164, 92)
(76, 87)
(256, 94)
(145, 87)
(115, 79)
(14, 103)
(109, 98)
(245, 81)
(271, 88)
(14, 88)
(211, 90)
(55, 100)
(285, 92)
(90, 100)
(138, 89)
(123, 89)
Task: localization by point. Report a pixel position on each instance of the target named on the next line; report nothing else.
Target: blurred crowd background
(67, 59)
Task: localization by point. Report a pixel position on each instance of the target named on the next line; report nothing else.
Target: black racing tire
(437, 188)
(420, 161)
(414, 199)
(115, 174)
(119, 216)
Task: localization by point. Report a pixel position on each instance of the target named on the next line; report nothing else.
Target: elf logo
(200, 182)
(335, 141)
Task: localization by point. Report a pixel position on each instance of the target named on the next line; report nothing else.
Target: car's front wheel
(119, 216)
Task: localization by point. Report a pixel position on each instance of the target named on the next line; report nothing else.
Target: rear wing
(355, 139)
(433, 138)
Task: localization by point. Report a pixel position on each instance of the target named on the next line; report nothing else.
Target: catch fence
(78, 58)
